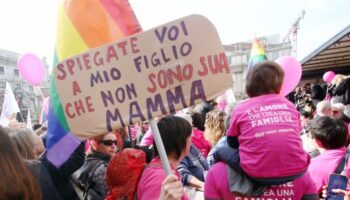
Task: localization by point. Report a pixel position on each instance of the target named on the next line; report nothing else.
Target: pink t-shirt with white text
(268, 130)
(151, 181)
(217, 187)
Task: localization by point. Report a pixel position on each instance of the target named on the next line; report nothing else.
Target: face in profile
(188, 145)
(108, 144)
(39, 147)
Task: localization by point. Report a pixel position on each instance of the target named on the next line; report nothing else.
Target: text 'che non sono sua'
(105, 68)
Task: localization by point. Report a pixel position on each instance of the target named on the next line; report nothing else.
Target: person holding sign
(266, 130)
(176, 135)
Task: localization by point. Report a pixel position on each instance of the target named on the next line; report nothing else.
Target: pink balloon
(31, 68)
(328, 76)
(292, 73)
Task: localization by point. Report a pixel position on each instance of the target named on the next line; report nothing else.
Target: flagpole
(41, 93)
(20, 113)
(130, 137)
(160, 147)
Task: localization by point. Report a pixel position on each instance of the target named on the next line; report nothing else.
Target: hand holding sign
(146, 75)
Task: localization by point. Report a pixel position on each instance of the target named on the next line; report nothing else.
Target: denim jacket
(194, 164)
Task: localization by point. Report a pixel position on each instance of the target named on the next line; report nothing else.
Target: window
(16, 72)
(2, 85)
(274, 55)
(31, 89)
(18, 86)
(2, 70)
(230, 60)
(239, 60)
(245, 60)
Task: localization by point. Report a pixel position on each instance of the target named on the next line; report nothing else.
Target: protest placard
(170, 67)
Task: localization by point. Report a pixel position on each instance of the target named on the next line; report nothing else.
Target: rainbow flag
(257, 54)
(82, 25)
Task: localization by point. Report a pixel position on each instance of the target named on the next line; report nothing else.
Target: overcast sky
(29, 25)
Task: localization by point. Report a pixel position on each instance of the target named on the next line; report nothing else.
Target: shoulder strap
(90, 183)
(342, 163)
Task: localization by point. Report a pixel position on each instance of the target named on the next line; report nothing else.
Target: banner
(170, 67)
(9, 107)
(29, 121)
(82, 25)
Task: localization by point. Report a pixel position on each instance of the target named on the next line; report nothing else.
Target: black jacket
(342, 92)
(39, 171)
(61, 177)
(92, 175)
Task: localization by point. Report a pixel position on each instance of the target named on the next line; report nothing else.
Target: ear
(278, 90)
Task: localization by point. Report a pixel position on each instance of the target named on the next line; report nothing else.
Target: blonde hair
(214, 126)
(338, 78)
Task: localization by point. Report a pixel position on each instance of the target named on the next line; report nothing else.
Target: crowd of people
(265, 147)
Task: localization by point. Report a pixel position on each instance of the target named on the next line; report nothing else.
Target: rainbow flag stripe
(82, 25)
(257, 54)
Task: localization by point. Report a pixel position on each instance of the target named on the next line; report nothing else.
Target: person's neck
(173, 162)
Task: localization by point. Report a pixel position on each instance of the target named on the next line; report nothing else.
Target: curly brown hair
(214, 126)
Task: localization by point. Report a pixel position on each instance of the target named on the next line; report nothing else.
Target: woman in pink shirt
(198, 136)
(266, 130)
(176, 136)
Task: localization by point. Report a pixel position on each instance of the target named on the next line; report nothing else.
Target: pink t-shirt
(200, 142)
(268, 130)
(151, 181)
(147, 139)
(217, 187)
(322, 166)
(134, 131)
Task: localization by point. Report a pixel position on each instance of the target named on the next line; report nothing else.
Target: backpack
(124, 172)
(91, 184)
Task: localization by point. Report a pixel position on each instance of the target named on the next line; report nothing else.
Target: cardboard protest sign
(157, 72)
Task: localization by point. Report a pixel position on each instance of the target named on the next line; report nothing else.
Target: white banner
(9, 107)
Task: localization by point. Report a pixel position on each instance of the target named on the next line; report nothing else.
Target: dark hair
(345, 118)
(197, 121)
(265, 78)
(36, 127)
(174, 132)
(16, 181)
(317, 92)
(306, 114)
(331, 132)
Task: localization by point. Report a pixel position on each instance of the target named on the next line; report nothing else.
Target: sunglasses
(109, 142)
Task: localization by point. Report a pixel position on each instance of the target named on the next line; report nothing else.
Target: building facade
(238, 56)
(28, 96)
